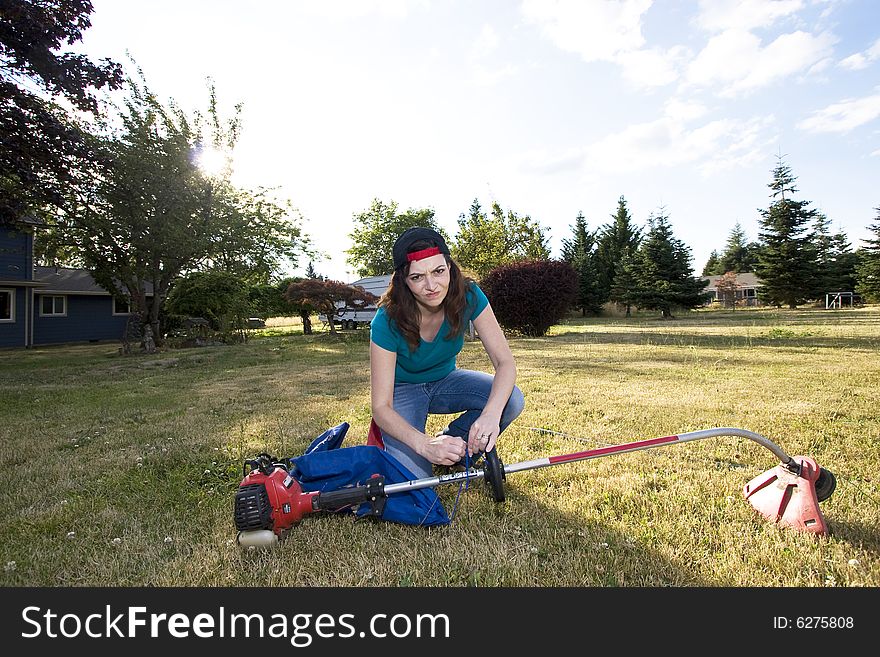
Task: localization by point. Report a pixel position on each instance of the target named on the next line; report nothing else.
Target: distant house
(747, 286)
(49, 305)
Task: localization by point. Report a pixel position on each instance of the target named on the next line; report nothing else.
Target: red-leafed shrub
(530, 296)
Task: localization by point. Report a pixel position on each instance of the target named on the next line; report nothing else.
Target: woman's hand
(443, 450)
(483, 434)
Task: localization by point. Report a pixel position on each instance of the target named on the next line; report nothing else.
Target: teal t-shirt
(431, 361)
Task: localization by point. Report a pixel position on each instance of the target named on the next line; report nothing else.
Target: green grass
(121, 470)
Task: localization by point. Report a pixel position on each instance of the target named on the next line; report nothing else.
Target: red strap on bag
(374, 436)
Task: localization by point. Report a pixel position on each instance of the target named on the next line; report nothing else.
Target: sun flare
(212, 161)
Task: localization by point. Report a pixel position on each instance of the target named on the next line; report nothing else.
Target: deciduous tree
(45, 153)
(255, 233)
(156, 216)
(221, 297)
(726, 287)
(486, 242)
(325, 297)
(530, 296)
(375, 231)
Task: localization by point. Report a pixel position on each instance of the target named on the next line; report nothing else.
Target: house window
(121, 306)
(7, 305)
(53, 306)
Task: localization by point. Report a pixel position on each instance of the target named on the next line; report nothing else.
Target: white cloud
(482, 73)
(652, 67)
(712, 147)
(722, 15)
(748, 144)
(548, 163)
(820, 66)
(484, 76)
(597, 31)
(737, 60)
(609, 32)
(862, 60)
(486, 42)
(854, 62)
(352, 9)
(843, 116)
(727, 57)
(684, 110)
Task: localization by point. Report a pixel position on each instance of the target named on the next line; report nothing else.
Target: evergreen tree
(868, 272)
(787, 259)
(739, 255)
(844, 263)
(579, 253)
(617, 240)
(713, 265)
(661, 272)
(624, 287)
(822, 248)
(835, 260)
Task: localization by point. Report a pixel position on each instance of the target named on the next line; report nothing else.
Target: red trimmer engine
(269, 501)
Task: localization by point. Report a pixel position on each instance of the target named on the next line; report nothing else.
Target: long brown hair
(401, 307)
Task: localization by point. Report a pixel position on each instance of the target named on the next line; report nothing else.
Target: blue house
(49, 305)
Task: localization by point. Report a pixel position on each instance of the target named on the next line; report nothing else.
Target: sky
(549, 108)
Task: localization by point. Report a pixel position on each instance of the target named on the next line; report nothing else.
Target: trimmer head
(789, 495)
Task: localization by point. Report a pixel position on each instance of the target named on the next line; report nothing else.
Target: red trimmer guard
(789, 499)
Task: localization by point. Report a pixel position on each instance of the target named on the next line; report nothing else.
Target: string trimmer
(270, 501)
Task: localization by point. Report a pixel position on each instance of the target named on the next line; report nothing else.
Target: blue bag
(326, 466)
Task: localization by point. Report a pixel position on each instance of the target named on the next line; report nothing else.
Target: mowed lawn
(121, 470)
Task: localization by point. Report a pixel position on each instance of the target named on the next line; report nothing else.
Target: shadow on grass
(523, 542)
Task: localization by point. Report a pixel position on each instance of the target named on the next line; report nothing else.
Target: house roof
(63, 280)
(743, 279)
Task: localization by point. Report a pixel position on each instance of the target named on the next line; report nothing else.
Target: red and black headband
(412, 237)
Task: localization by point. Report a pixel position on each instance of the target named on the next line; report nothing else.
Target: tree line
(797, 257)
(646, 268)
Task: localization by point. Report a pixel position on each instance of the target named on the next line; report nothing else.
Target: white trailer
(351, 318)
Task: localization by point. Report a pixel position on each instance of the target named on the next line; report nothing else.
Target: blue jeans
(461, 391)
